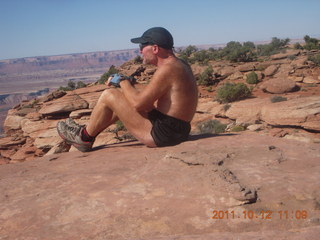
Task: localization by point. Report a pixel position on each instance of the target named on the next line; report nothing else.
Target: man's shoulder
(174, 66)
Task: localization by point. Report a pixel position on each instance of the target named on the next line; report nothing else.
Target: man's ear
(155, 49)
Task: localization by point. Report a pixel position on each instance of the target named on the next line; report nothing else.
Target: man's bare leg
(111, 106)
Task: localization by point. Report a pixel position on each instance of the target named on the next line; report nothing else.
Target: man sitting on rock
(157, 116)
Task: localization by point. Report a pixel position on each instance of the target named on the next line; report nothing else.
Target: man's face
(147, 52)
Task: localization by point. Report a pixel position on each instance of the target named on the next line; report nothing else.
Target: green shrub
(81, 84)
(120, 126)
(311, 43)
(315, 59)
(237, 52)
(275, 99)
(252, 78)
(231, 92)
(185, 54)
(106, 75)
(211, 126)
(138, 59)
(238, 129)
(274, 47)
(72, 86)
(297, 46)
(206, 78)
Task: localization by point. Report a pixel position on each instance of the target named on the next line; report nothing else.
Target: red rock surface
(129, 191)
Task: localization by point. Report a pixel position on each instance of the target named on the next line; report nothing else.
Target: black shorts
(167, 130)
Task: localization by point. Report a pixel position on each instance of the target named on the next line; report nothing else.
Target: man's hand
(115, 79)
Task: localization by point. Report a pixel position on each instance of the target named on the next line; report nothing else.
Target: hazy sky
(53, 27)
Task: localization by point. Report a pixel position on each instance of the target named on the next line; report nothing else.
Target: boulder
(66, 104)
(297, 79)
(299, 112)
(246, 112)
(12, 122)
(300, 63)
(311, 80)
(80, 113)
(30, 128)
(246, 67)
(54, 95)
(271, 70)
(226, 71)
(284, 71)
(235, 76)
(278, 85)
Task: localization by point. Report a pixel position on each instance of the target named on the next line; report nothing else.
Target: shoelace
(70, 122)
(74, 129)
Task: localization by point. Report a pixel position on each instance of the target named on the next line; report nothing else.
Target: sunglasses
(143, 45)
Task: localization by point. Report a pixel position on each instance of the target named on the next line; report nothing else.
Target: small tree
(231, 92)
(272, 48)
(237, 52)
(311, 43)
(252, 78)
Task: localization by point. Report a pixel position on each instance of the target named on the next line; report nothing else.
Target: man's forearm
(130, 92)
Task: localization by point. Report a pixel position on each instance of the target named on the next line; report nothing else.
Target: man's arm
(145, 99)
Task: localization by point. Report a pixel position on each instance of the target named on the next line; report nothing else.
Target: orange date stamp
(263, 215)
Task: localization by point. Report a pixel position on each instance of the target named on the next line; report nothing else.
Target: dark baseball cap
(156, 35)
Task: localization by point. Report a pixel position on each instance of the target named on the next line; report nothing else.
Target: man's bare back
(180, 101)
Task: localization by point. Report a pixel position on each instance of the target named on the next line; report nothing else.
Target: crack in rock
(239, 192)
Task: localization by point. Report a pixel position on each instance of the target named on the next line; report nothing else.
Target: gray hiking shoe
(70, 122)
(72, 135)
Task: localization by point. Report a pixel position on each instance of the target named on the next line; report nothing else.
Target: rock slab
(129, 191)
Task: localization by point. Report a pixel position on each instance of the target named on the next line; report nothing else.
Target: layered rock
(32, 124)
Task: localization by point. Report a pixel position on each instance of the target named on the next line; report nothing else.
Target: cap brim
(138, 40)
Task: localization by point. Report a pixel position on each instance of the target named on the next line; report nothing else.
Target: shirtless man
(157, 116)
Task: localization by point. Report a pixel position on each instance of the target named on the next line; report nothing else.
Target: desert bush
(138, 59)
(297, 46)
(315, 59)
(231, 92)
(81, 84)
(106, 75)
(202, 57)
(211, 126)
(275, 99)
(238, 128)
(252, 78)
(120, 126)
(311, 43)
(185, 54)
(206, 78)
(274, 47)
(72, 86)
(237, 52)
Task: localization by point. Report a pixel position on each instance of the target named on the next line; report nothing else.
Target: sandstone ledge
(129, 191)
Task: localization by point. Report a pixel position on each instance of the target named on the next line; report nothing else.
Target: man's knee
(110, 95)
